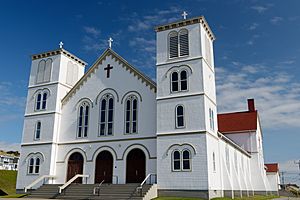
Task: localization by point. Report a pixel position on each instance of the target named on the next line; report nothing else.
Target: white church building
(114, 123)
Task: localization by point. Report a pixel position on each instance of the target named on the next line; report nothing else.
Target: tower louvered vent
(173, 44)
(184, 43)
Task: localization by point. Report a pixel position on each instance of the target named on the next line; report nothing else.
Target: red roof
(237, 122)
(273, 167)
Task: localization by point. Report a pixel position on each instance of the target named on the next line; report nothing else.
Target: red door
(135, 166)
(75, 166)
(104, 167)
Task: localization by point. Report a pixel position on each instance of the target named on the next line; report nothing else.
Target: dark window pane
(80, 111)
(37, 135)
(31, 161)
(110, 103)
(179, 110)
(30, 169)
(134, 127)
(174, 86)
(174, 76)
(39, 97)
(183, 75)
(183, 85)
(110, 115)
(186, 155)
(127, 127)
(86, 120)
(37, 161)
(176, 155)
(80, 121)
(102, 116)
(180, 122)
(79, 131)
(38, 126)
(109, 131)
(85, 131)
(186, 164)
(87, 108)
(127, 115)
(103, 104)
(176, 165)
(134, 104)
(37, 169)
(102, 129)
(134, 115)
(128, 105)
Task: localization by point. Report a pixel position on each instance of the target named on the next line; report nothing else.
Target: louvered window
(184, 42)
(173, 44)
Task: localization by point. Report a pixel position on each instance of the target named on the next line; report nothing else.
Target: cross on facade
(61, 44)
(110, 40)
(184, 14)
(107, 69)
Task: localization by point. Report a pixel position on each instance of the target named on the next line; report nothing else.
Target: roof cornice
(144, 79)
(56, 52)
(185, 22)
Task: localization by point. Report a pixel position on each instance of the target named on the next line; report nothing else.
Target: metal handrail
(98, 188)
(37, 181)
(140, 187)
(61, 188)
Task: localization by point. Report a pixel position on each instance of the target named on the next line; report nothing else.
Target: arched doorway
(104, 167)
(135, 166)
(75, 166)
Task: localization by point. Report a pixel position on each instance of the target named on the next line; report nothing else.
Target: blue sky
(256, 54)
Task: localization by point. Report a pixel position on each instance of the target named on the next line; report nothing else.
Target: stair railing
(61, 188)
(97, 189)
(39, 179)
(151, 181)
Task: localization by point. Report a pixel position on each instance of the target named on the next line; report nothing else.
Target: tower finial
(184, 14)
(61, 44)
(110, 40)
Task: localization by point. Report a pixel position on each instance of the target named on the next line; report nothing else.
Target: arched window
(179, 116)
(183, 80)
(38, 101)
(173, 44)
(186, 160)
(174, 82)
(37, 165)
(83, 120)
(44, 101)
(214, 162)
(131, 115)
(106, 115)
(31, 166)
(41, 71)
(176, 161)
(184, 42)
(72, 73)
(34, 165)
(38, 127)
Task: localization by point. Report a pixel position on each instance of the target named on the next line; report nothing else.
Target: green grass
(14, 196)
(8, 181)
(221, 198)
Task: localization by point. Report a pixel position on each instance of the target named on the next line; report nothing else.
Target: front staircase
(85, 191)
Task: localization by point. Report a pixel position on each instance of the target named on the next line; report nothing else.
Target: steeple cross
(107, 69)
(184, 14)
(61, 44)
(110, 40)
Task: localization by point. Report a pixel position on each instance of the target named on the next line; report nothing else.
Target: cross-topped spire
(110, 40)
(61, 44)
(184, 14)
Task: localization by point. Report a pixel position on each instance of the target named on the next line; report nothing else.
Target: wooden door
(135, 166)
(75, 166)
(104, 167)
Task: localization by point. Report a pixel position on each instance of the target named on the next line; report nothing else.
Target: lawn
(8, 180)
(223, 198)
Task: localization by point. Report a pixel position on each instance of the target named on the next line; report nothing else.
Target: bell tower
(52, 75)
(186, 104)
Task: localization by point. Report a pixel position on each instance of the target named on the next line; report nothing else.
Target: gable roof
(237, 122)
(136, 73)
(272, 167)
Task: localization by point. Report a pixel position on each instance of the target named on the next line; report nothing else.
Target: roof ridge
(108, 52)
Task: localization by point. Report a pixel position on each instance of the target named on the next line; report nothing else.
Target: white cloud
(260, 9)
(276, 20)
(253, 26)
(92, 30)
(276, 95)
(6, 146)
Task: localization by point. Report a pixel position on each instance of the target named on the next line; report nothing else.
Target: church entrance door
(75, 166)
(104, 167)
(135, 166)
